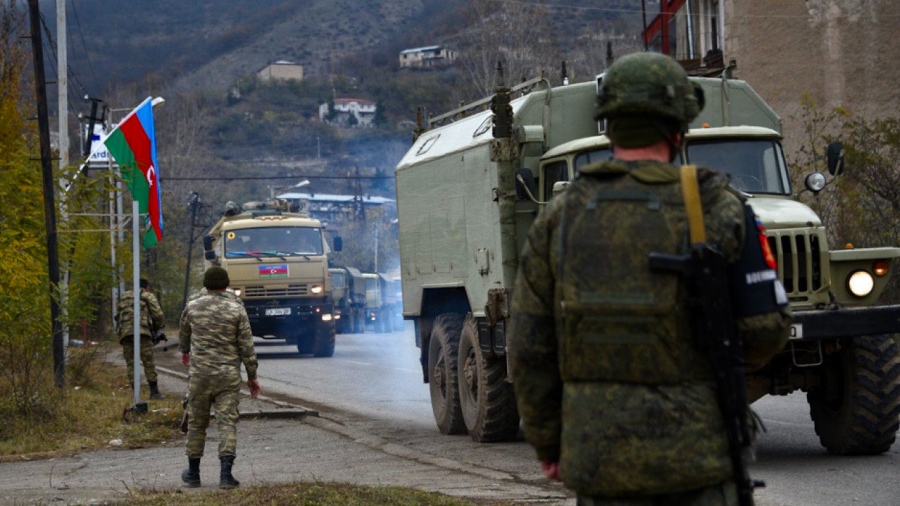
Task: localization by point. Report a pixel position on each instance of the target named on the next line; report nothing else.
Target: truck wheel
(443, 384)
(304, 340)
(360, 321)
(487, 400)
(323, 342)
(856, 409)
(350, 315)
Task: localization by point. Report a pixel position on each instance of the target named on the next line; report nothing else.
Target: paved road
(374, 382)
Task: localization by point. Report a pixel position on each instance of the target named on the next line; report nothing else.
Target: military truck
(348, 293)
(378, 307)
(474, 180)
(277, 259)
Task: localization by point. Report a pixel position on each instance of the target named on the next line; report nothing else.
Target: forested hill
(211, 43)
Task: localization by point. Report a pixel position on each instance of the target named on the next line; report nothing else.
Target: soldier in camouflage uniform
(615, 395)
(196, 295)
(152, 320)
(215, 340)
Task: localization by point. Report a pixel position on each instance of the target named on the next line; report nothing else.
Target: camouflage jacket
(618, 424)
(215, 330)
(152, 318)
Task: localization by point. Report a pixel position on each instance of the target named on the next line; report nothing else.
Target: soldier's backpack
(623, 322)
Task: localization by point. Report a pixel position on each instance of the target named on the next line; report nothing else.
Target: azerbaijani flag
(133, 144)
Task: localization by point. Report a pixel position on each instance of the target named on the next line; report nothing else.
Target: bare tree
(516, 35)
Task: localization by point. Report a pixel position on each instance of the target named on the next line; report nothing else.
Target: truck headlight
(815, 182)
(316, 289)
(237, 291)
(860, 283)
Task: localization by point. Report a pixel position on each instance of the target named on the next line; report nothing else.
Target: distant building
(361, 110)
(282, 69)
(427, 57)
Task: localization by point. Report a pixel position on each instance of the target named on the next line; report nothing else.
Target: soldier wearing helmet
(615, 395)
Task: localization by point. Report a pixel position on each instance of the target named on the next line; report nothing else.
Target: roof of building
(330, 197)
(361, 101)
(420, 49)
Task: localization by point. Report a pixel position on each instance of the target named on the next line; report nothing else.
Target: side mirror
(525, 184)
(338, 243)
(209, 255)
(835, 156)
(207, 243)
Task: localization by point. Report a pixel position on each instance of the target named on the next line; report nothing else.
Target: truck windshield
(755, 166)
(273, 241)
(588, 157)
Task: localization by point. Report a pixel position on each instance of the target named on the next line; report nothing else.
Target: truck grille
(259, 292)
(800, 261)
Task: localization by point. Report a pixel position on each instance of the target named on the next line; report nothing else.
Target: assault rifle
(705, 270)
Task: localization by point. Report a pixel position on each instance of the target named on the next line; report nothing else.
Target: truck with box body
(474, 179)
(277, 259)
(348, 293)
(378, 305)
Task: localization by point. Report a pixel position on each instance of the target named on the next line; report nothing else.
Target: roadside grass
(90, 413)
(310, 494)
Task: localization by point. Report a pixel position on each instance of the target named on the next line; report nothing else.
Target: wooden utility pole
(59, 358)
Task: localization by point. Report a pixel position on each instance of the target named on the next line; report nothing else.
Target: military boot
(154, 391)
(191, 475)
(226, 480)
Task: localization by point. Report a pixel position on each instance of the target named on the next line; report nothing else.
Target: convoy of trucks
(474, 180)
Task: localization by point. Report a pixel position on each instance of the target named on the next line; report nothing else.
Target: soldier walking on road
(214, 340)
(152, 321)
(616, 393)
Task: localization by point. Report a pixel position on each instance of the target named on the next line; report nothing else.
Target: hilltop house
(361, 111)
(427, 57)
(281, 69)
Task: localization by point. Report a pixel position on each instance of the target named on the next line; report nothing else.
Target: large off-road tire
(360, 321)
(339, 326)
(856, 410)
(323, 341)
(486, 397)
(443, 384)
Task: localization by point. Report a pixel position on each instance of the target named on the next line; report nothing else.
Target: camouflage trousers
(721, 494)
(221, 393)
(146, 357)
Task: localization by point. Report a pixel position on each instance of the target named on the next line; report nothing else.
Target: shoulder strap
(690, 189)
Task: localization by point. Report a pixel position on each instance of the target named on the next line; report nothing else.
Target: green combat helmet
(647, 97)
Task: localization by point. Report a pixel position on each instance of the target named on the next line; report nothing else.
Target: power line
(265, 178)
(87, 56)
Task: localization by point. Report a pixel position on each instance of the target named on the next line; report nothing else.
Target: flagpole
(136, 280)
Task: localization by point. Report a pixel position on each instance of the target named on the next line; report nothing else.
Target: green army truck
(348, 293)
(475, 178)
(277, 259)
(378, 306)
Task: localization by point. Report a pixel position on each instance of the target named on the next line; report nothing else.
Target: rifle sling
(690, 189)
